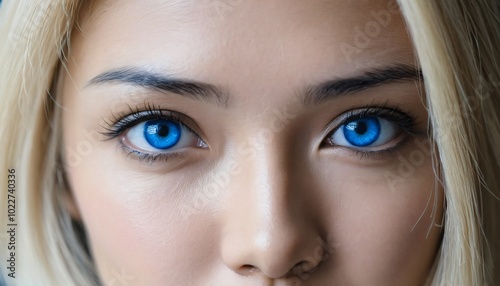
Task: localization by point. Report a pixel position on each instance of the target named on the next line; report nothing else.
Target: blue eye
(364, 132)
(161, 135)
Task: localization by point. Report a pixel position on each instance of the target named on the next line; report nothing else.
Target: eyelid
(404, 120)
(385, 112)
(122, 121)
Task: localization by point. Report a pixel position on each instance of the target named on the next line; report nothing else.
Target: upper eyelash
(406, 121)
(121, 122)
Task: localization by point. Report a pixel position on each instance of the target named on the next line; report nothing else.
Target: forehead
(276, 39)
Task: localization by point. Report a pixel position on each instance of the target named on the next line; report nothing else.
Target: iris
(362, 132)
(162, 134)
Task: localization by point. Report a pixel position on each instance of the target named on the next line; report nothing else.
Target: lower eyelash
(122, 122)
(405, 121)
(150, 158)
(379, 154)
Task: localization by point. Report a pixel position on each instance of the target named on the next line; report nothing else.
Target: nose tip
(277, 270)
(276, 253)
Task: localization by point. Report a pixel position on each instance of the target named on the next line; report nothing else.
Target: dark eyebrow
(373, 78)
(163, 83)
(209, 93)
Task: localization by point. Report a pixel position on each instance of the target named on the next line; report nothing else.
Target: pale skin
(257, 194)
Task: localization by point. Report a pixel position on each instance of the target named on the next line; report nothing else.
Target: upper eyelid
(135, 118)
(353, 114)
(193, 126)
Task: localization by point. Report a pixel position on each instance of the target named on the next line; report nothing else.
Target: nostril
(304, 266)
(248, 269)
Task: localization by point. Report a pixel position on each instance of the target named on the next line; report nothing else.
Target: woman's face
(250, 143)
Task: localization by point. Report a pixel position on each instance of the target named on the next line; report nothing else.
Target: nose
(269, 226)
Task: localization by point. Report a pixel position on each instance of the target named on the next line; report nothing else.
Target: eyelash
(405, 121)
(122, 122)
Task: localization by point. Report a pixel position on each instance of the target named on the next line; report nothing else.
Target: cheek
(386, 229)
(139, 217)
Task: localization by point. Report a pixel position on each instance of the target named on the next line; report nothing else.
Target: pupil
(361, 128)
(163, 130)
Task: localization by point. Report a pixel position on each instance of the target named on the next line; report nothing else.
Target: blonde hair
(457, 45)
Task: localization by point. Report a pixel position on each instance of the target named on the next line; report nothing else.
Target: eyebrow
(369, 79)
(163, 83)
(313, 95)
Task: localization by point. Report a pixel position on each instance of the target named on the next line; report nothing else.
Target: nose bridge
(268, 226)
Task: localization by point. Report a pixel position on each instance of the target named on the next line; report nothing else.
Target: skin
(264, 202)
